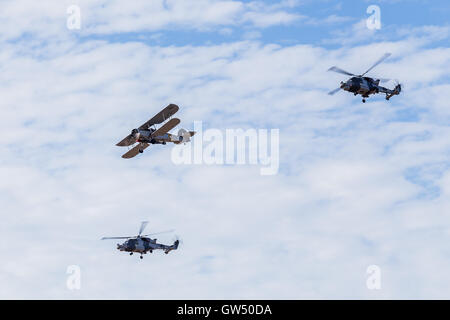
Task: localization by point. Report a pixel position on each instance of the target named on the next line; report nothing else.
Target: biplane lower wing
(134, 152)
(127, 141)
(169, 125)
(162, 116)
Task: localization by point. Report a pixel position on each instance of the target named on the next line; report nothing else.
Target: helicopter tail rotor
(398, 87)
(177, 242)
(174, 246)
(395, 91)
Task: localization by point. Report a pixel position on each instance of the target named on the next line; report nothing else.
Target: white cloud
(47, 19)
(349, 193)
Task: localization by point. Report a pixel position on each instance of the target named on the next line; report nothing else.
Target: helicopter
(365, 86)
(142, 243)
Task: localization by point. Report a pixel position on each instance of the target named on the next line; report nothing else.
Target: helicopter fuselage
(144, 245)
(364, 86)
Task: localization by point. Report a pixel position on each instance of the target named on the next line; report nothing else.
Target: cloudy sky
(358, 184)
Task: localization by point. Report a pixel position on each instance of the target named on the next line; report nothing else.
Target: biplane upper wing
(127, 141)
(133, 152)
(166, 127)
(162, 116)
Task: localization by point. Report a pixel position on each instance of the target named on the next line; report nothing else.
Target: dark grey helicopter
(365, 86)
(142, 243)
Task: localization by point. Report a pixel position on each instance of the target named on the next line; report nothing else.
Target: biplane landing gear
(364, 100)
(151, 251)
(131, 253)
(141, 151)
(141, 257)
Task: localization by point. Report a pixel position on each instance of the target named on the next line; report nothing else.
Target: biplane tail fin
(184, 136)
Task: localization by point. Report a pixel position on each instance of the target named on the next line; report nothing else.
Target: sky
(358, 185)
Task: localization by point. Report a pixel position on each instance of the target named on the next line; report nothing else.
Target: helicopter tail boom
(172, 247)
(391, 93)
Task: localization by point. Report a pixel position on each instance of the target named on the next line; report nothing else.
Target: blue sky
(358, 185)
(311, 29)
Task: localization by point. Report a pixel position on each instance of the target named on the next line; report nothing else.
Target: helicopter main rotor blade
(143, 225)
(385, 56)
(339, 70)
(334, 91)
(152, 234)
(109, 238)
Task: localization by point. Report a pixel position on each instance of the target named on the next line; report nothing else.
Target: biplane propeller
(147, 133)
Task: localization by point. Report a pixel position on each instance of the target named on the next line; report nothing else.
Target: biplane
(140, 138)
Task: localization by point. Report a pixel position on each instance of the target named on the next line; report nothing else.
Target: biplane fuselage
(145, 136)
